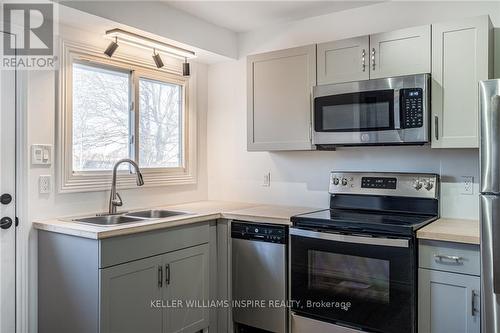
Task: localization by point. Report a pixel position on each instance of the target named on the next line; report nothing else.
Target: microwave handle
(397, 109)
(363, 62)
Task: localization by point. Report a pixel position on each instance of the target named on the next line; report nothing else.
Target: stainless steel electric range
(354, 266)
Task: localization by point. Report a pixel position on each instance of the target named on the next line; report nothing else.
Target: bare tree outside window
(100, 117)
(160, 133)
(103, 126)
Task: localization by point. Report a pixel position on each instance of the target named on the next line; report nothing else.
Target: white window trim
(67, 180)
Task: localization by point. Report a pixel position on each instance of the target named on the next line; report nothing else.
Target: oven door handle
(394, 242)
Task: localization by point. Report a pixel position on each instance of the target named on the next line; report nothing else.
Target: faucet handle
(118, 200)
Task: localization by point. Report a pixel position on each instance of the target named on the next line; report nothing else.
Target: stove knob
(428, 185)
(335, 181)
(344, 181)
(417, 185)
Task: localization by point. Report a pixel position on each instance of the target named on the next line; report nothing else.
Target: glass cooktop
(363, 221)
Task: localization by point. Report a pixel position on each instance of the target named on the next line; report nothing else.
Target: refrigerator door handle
(490, 239)
(489, 102)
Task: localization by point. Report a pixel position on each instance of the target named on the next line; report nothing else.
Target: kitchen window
(113, 110)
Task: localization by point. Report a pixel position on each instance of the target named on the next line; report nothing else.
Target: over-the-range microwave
(389, 111)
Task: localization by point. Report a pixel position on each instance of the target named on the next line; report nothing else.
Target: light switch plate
(44, 184)
(41, 154)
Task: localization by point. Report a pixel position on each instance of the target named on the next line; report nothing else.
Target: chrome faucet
(114, 199)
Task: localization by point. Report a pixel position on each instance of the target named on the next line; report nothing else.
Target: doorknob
(5, 222)
(5, 198)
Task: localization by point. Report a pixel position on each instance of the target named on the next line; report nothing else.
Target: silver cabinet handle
(363, 63)
(436, 126)
(160, 276)
(167, 274)
(473, 303)
(373, 58)
(441, 257)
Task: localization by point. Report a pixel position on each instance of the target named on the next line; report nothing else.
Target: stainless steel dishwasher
(259, 277)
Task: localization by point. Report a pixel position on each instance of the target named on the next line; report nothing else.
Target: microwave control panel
(412, 107)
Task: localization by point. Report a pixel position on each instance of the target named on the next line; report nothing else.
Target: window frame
(84, 181)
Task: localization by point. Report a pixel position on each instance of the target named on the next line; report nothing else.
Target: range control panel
(387, 184)
(379, 182)
(411, 107)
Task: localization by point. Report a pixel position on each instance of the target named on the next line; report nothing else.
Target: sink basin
(155, 213)
(108, 220)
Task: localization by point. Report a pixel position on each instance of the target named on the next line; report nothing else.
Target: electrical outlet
(44, 184)
(267, 179)
(467, 185)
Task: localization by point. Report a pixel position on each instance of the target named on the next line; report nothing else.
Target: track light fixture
(157, 59)
(111, 48)
(185, 68)
(144, 42)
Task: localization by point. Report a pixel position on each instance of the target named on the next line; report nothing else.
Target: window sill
(93, 182)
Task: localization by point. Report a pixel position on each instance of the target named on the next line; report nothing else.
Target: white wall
(301, 178)
(41, 129)
(160, 19)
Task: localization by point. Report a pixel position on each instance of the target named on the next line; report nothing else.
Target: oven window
(363, 111)
(341, 274)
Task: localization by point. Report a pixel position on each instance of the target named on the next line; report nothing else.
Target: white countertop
(444, 229)
(198, 212)
(452, 230)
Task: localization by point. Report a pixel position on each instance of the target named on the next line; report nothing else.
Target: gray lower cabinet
(126, 295)
(448, 288)
(150, 282)
(187, 282)
(179, 280)
(449, 302)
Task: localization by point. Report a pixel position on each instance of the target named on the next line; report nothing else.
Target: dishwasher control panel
(259, 232)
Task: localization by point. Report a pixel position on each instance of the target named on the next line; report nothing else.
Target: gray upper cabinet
(186, 277)
(400, 52)
(448, 302)
(343, 60)
(462, 55)
(126, 293)
(279, 99)
(387, 54)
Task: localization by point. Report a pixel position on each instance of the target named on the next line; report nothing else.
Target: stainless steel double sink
(140, 216)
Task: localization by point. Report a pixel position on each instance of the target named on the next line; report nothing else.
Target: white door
(400, 52)
(7, 196)
(343, 60)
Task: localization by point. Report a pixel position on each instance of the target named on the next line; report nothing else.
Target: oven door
(358, 281)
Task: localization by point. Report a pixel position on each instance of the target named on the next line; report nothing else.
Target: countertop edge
(463, 231)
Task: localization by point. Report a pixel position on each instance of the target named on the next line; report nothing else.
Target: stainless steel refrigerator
(489, 100)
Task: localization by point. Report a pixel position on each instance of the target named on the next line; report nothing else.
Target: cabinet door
(280, 98)
(187, 282)
(448, 302)
(343, 60)
(400, 52)
(460, 59)
(127, 291)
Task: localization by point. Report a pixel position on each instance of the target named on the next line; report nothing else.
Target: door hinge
(132, 139)
(131, 106)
